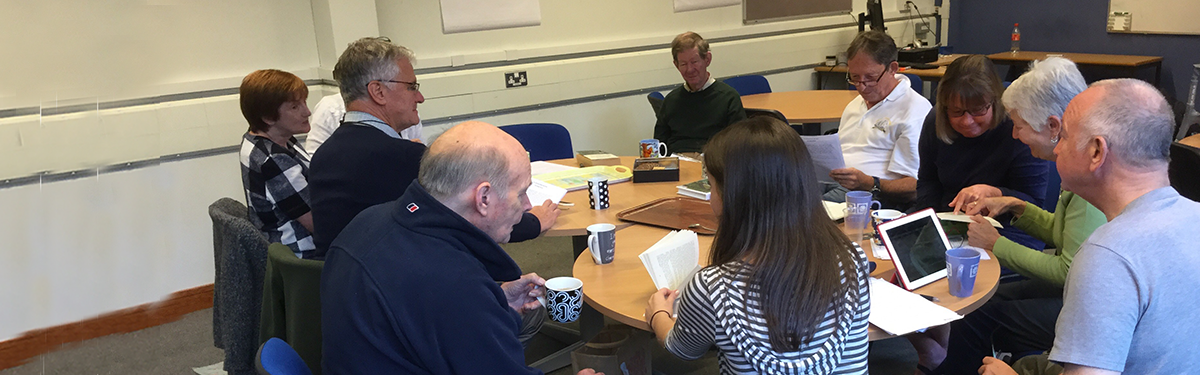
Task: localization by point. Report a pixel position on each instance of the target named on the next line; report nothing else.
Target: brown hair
(877, 44)
(779, 229)
(263, 91)
(974, 81)
(687, 41)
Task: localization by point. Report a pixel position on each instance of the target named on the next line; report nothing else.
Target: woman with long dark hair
(785, 291)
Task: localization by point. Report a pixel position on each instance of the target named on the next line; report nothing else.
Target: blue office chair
(276, 357)
(656, 101)
(543, 141)
(917, 84)
(749, 85)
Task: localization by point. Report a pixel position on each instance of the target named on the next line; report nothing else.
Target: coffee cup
(564, 299)
(652, 148)
(961, 266)
(602, 241)
(883, 216)
(858, 209)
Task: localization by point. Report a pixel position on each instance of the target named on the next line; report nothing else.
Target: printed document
(826, 153)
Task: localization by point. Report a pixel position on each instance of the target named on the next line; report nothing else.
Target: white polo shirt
(327, 116)
(882, 141)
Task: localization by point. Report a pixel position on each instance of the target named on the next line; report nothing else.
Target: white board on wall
(1155, 16)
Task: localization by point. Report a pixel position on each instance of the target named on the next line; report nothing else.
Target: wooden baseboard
(20, 350)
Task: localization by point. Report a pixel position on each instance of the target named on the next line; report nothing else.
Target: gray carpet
(177, 347)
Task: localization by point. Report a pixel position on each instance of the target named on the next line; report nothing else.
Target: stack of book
(696, 189)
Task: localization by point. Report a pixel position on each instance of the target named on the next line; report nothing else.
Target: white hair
(366, 60)
(1044, 91)
(1134, 118)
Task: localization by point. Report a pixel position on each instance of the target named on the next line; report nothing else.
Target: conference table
(808, 107)
(1019, 60)
(620, 289)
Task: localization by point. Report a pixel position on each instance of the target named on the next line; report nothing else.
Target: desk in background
(926, 74)
(1018, 61)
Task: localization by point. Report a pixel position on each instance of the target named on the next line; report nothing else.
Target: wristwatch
(875, 189)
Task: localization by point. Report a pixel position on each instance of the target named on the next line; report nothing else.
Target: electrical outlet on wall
(515, 79)
(903, 6)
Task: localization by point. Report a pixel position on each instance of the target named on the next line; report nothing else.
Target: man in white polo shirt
(880, 128)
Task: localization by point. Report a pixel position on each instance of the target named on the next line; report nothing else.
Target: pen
(930, 298)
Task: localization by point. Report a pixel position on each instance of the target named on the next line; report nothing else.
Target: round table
(808, 106)
(621, 196)
(621, 289)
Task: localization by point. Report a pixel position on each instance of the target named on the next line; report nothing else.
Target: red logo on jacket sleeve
(412, 207)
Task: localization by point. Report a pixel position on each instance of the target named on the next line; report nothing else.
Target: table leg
(820, 80)
(1157, 73)
(590, 324)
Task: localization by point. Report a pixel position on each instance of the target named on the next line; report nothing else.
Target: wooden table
(810, 108)
(1019, 60)
(927, 74)
(621, 289)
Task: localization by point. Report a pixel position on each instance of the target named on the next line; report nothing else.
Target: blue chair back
(917, 84)
(656, 101)
(749, 85)
(276, 357)
(543, 141)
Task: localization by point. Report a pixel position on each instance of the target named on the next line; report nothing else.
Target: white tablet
(917, 244)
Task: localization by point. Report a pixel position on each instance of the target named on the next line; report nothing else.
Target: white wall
(78, 248)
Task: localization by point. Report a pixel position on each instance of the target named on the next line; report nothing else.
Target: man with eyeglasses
(365, 162)
(880, 128)
(702, 106)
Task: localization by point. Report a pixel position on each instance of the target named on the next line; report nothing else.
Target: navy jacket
(359, 167)
(411, 289)
(993, 158)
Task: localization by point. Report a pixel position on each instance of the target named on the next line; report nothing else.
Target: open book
(673, 260)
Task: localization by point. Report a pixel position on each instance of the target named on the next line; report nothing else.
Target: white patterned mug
(564, 299)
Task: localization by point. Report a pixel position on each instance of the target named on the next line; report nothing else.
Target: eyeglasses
(866, 82)
(412, 86)
(956, 113)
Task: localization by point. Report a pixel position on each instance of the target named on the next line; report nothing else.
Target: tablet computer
(917, 244)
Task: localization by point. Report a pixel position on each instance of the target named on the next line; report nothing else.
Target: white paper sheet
(898, 311)
(474, 15)
(686, 5)
(540, 191)
(826, 153)
(541, 167)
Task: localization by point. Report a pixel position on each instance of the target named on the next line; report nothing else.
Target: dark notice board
(756, 11)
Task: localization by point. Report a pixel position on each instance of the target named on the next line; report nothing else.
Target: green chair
(291, 306)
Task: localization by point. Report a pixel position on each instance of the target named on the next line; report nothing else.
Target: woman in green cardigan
(1021, 316)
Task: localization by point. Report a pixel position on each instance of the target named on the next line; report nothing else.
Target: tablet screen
(919, 247)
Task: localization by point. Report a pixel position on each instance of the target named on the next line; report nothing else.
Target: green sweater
(1072, 222)
(688, 119)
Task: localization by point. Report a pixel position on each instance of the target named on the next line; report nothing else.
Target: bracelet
(652, 318)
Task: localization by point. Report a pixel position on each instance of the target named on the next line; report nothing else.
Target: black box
(656, 169)
(918, 55)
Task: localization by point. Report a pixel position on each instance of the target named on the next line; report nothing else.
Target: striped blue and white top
(713, 310)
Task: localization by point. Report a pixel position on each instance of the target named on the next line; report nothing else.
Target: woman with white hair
(1021, 316)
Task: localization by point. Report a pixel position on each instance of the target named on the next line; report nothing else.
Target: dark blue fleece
(410, 288)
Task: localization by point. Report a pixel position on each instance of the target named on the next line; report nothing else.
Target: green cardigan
(1072, 222)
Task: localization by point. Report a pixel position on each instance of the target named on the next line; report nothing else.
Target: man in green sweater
(702, 106)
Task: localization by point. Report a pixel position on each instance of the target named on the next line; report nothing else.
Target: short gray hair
(366, 60)
(451, 171)
(1044, 91)
(1134, 118)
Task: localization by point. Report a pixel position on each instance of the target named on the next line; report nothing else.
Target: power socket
(515, 79)
(906, 7)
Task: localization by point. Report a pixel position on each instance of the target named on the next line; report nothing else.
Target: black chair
(1184, 170)
(755, 112)
(656, 102)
